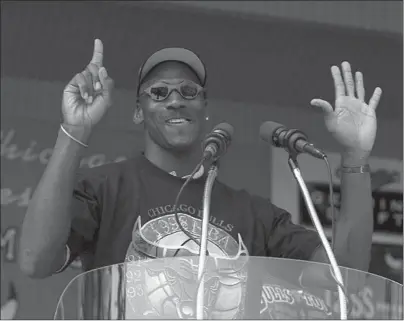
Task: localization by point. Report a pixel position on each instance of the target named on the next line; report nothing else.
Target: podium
(245, 287)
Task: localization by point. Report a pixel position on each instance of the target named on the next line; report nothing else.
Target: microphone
(292, 140)
(216, 143)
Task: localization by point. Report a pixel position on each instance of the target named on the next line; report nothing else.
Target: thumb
(324, 105)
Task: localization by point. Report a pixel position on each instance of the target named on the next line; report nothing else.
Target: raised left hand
(352, 122)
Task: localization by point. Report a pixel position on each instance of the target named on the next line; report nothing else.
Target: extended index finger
(98, 53)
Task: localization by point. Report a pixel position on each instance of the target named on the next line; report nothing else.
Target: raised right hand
(87, 96)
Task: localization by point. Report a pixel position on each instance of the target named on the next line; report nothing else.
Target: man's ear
(138, 117)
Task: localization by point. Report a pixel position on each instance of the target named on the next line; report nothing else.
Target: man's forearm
(353, 239)
(354, 227)
(46, 225)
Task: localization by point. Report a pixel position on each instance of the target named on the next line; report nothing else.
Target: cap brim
(175, 54)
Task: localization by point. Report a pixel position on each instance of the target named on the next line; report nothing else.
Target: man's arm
(354, 225)
(47, 222)
(353, 124)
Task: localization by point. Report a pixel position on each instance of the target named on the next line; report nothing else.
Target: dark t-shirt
(116, 202)
(124, 211)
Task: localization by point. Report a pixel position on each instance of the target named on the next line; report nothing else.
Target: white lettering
(398, 218)
(28, 156)
(382, 217)
(357, 307)
(224, 241)
(173, 224)
(8, 150)
(396, 206)
(12, 151)
(8, 243)
(184, 222)
(22, 200)
(9, 247)
(308, 298)
(367, 295)
(164, 226)
(213, 233)
(362, 304)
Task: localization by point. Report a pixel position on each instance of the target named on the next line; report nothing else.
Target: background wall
(258, 70)
(342, 14)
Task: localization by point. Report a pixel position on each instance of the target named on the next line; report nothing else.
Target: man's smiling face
(174, 123)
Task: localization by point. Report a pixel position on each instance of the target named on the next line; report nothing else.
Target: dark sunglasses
(161, 91)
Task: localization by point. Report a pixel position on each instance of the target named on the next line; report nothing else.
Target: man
(113, 204)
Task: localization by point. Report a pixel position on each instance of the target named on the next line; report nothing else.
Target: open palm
(352, 122)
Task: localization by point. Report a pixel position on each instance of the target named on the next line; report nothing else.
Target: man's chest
(146, 213)
(160, 220)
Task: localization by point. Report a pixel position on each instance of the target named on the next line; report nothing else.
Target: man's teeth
(177, 121)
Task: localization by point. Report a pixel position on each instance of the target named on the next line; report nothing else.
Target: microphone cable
(333, 225)
(177, 219)
(331, 201)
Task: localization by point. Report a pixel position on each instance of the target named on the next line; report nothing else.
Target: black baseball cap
(183, 55)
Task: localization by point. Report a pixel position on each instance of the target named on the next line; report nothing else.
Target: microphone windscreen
(267, 129)
(225, 127)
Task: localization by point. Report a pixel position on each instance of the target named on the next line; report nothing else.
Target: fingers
(360, 88)
(98, 53)
(349, 83)
(324, 105)
(96, 63)
(338, 82)
(106, 81)
(89, 87)
(82, 84)
(95, 79)
(78, 86)
(374, 101)
(107, 85)
(93, 85)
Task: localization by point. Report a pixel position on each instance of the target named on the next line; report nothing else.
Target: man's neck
(182, 163)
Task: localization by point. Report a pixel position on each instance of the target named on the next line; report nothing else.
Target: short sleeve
(86, 209)
(284, 238)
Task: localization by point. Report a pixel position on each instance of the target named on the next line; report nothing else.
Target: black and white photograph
(205, 160)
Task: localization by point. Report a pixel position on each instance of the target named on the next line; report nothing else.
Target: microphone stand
(294, 167)
(212, 174)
